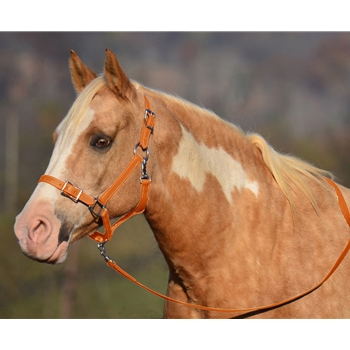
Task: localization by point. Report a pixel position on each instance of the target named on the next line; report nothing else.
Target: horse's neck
(222, 221)
(208, 181)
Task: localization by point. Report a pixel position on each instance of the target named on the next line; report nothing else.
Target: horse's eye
(101, 141)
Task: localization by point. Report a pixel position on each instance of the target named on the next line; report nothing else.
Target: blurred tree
(11, 165)
(70, 283)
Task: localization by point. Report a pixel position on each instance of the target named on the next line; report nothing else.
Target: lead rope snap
(102, 249)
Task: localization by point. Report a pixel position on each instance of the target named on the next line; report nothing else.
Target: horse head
(92, 145)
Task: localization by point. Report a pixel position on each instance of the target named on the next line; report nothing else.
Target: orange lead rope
(341, 201)
(345, 212)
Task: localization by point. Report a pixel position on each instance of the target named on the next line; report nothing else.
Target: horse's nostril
(39, 230)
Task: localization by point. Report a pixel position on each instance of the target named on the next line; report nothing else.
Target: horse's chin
(57, 257)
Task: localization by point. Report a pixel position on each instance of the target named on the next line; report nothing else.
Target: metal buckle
(95, 214)
(144, 150)
(74, 199)
(147, 112)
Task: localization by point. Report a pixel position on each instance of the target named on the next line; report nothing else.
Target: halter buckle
(147, 113)
(97, 214)
(65, 194)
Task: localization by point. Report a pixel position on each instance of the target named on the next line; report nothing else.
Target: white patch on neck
(193, 161)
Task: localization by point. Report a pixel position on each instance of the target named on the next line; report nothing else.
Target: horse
(239, 224)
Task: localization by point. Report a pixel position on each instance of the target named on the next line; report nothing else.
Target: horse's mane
(82, 104)
(288, 171)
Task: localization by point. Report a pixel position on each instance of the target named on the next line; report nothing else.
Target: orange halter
(98, 208)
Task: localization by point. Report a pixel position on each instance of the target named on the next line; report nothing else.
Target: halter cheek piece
(98, 209)
(98, 206)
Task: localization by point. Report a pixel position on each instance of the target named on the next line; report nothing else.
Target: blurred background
(291, 87)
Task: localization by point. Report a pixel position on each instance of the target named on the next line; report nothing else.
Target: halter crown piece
(98, 209)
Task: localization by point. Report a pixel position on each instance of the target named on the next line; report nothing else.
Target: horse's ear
(81, 74)
(117, 80)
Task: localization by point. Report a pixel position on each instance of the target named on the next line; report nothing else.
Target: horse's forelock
(81, 106)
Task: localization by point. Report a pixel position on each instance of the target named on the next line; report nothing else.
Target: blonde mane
(290, 171)
(81, 105)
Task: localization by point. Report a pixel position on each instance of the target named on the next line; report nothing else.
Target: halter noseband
(97, 206)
